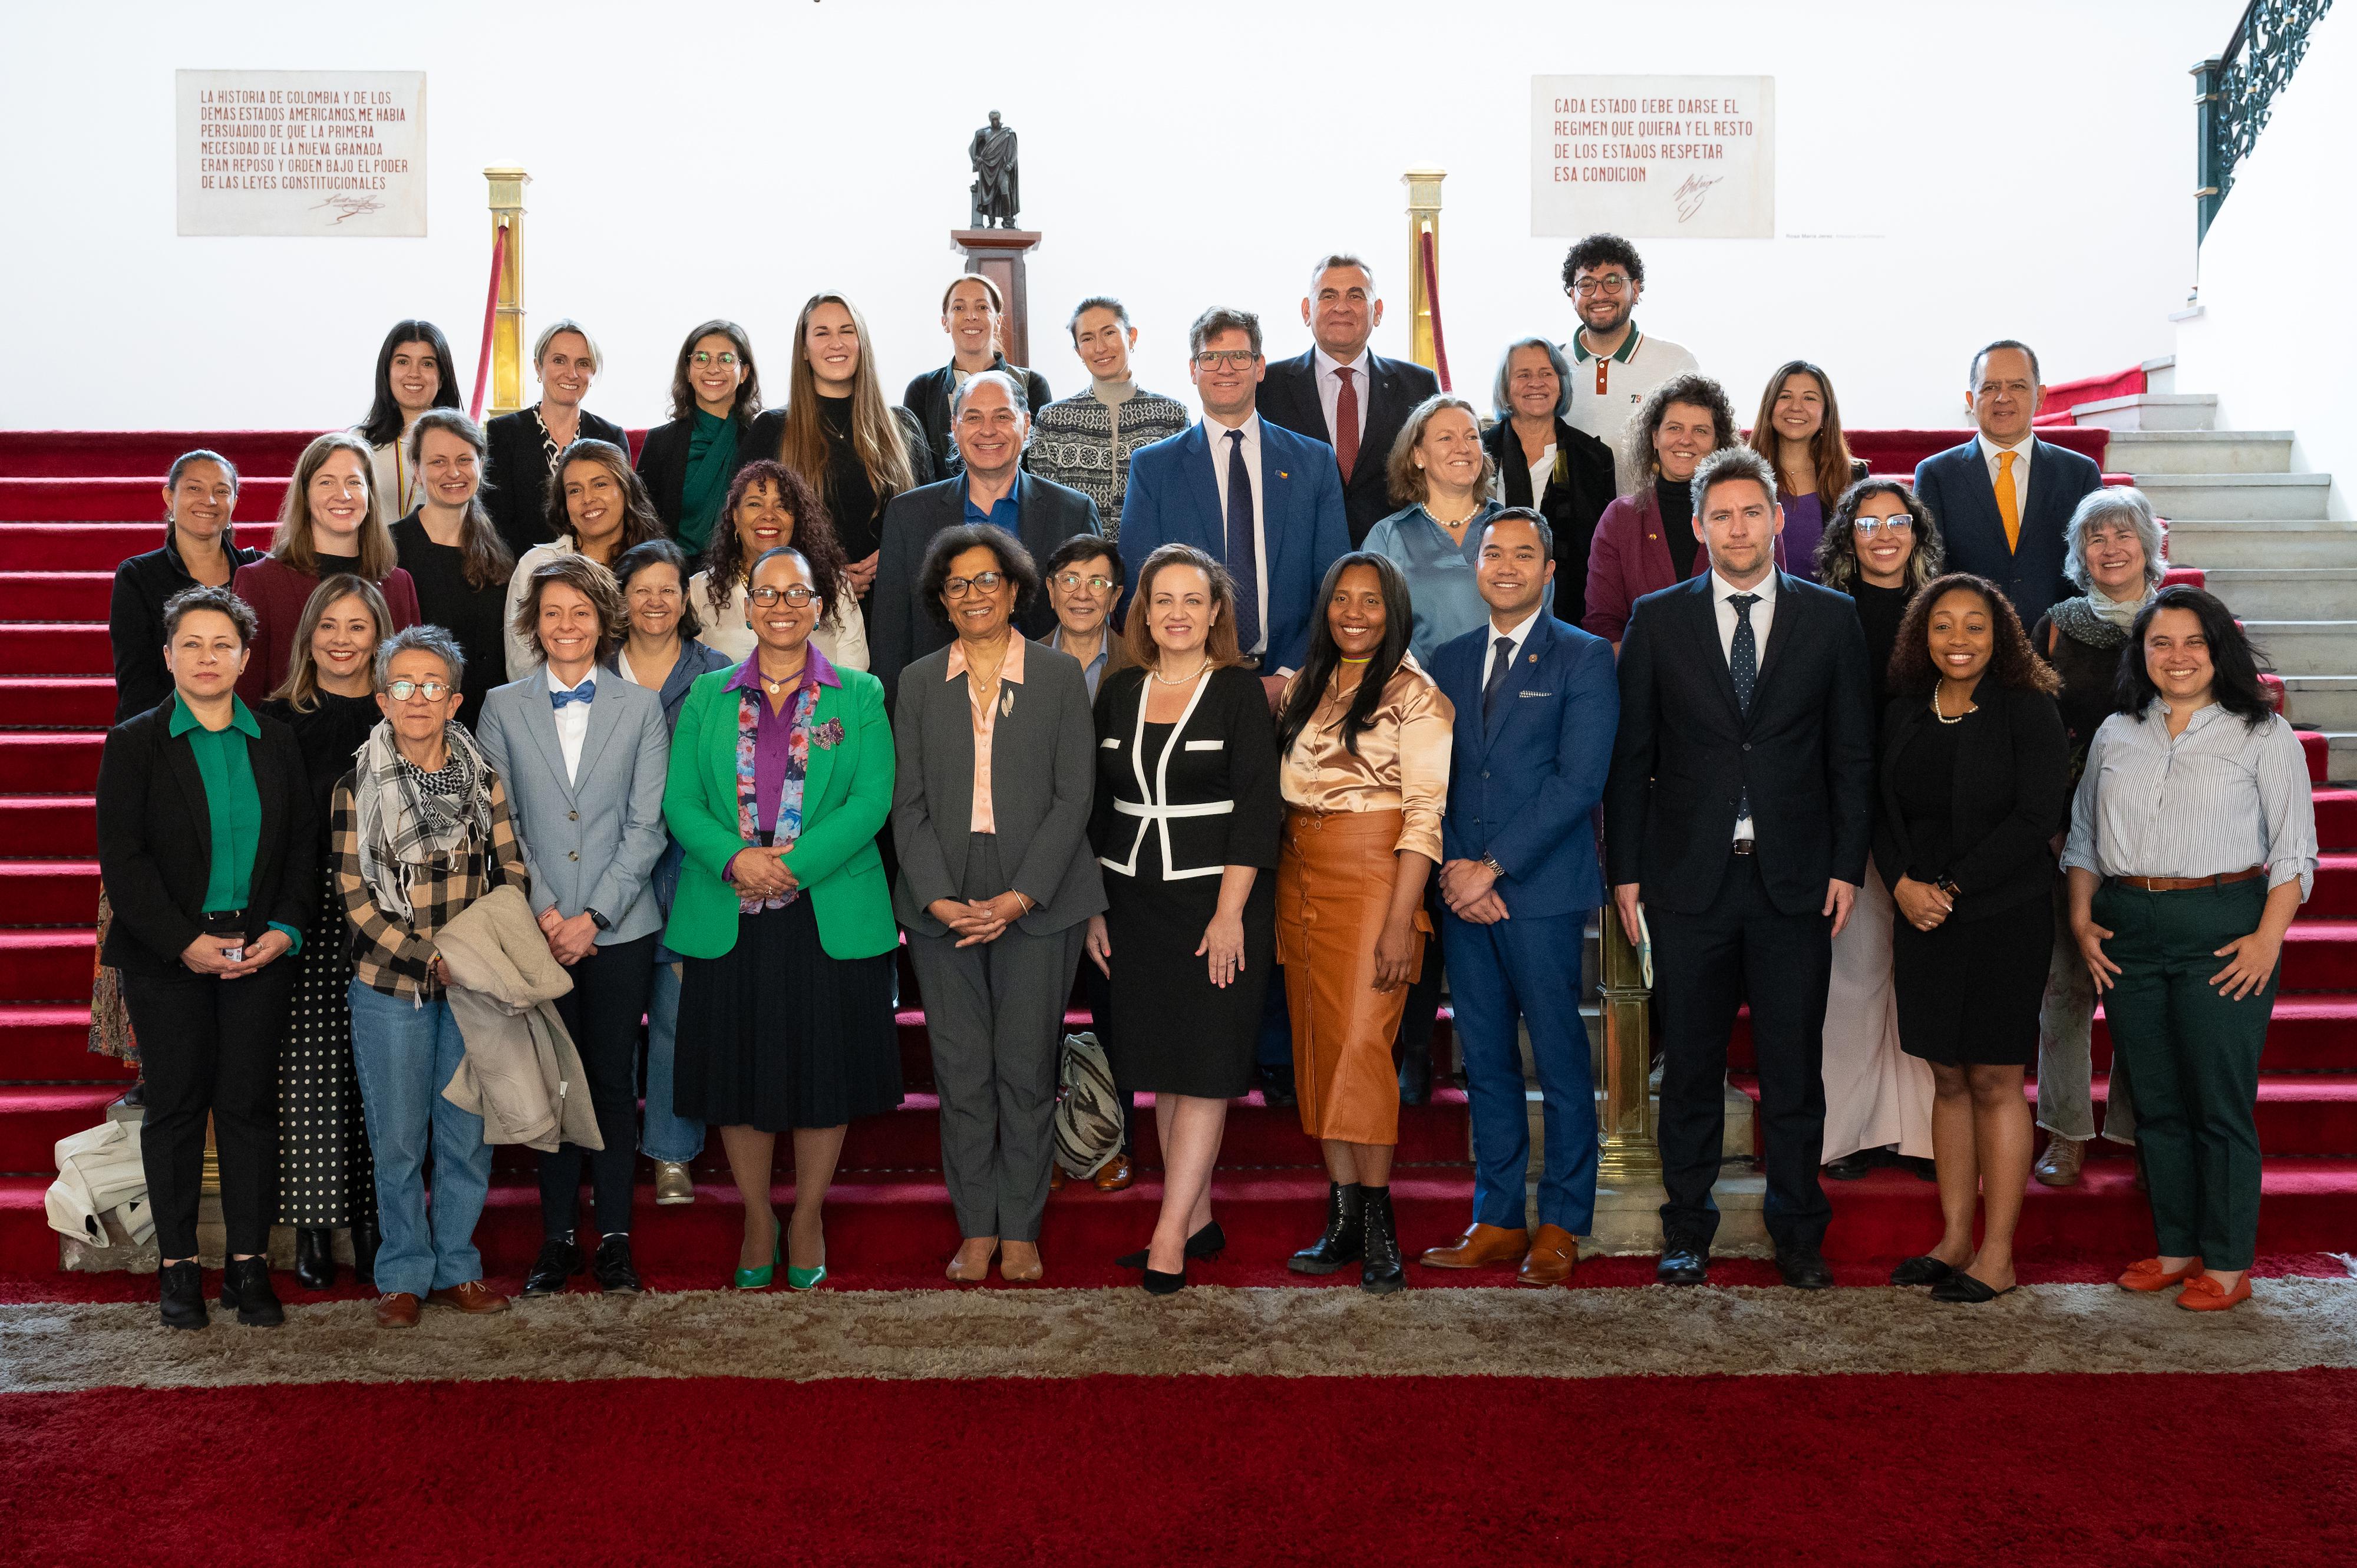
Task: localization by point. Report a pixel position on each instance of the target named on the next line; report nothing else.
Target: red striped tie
(1346, 423)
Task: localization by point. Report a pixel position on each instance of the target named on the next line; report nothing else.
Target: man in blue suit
(1536, 704)
(1290, 525)
(2005, 498)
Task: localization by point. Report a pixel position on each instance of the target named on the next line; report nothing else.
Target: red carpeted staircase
(68, 501)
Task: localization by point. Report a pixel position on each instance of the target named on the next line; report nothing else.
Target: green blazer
(846, 796)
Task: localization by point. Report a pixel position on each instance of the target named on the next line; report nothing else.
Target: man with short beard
(1613, 365)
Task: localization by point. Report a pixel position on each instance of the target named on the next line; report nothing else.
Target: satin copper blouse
(1402, 765)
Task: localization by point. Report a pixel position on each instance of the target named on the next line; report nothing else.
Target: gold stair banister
(507, 338)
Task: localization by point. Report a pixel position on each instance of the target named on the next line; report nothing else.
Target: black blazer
(1576, 498)
(768, 437)
(156, 842)
(2011, 786)
(928, 398)
(902, 628)
(1288, 396)
(1686, 752)
(515, 474)
(662, 463)
(1955, 484)
(134, 623)
(1223, 751)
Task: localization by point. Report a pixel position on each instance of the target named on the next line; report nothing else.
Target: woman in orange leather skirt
(1363, 736)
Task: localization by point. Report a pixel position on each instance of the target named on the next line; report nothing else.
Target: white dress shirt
(1542, 472)
(1515, 635)
(1330, 389)
(572, 725)
(1763, 615)
(2020, 450)
(1217, 434)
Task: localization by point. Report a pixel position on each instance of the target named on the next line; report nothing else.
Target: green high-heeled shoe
(803, 1279)
(758, 1279)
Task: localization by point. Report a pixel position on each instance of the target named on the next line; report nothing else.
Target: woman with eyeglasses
(1880, 546)
(780, 778)
(769, 507)
(990, 812)
(687, 463)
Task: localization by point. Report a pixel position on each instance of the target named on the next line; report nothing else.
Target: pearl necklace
(1183, 680)
(1943, 718)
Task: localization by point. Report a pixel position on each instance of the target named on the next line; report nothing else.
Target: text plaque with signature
(1654, 156)
(326, 153)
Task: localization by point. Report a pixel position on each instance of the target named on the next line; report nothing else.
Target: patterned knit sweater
(1081, 442)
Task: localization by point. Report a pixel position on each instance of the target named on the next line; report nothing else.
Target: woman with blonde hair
(327, 525)
(1798, 429)
(523, 447)
(453, 551)
(326, 1178)
(1444, 475)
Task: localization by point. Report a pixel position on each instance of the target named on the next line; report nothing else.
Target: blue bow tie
(581, 693)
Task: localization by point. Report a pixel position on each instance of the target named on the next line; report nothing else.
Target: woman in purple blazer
(1645, 541)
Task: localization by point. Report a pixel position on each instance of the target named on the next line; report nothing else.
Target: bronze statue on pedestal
(998, 189)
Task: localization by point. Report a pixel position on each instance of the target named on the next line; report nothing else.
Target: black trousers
(1706, 966)
(602, 1012)
(207, 1043)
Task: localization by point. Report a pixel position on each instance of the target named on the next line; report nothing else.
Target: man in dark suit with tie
(1535, 706)
(992, 424)
(2005, 498)
(1737, 818)
(1340, 393)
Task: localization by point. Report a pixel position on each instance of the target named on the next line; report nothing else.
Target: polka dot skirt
(324, 1174)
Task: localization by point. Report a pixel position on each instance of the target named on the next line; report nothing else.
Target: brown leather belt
(2185, 884)
(1743, 846)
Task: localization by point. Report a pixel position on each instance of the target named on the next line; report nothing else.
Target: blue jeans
(665, 1135)
(1527, 968)
(404, 1055)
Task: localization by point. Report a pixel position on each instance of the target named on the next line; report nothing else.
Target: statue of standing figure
(998, 189)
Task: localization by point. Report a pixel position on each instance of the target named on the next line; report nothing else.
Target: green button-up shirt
(232, 804)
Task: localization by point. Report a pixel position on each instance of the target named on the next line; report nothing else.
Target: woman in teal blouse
(207, 843)
(780, 778)
(1440, 469)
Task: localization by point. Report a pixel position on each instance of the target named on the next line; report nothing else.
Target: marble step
(2284, 594)
(2214, 542)
(2151, 410)
(2253, 496)
(2144, 452)
(2308, 647)
(2327, 701)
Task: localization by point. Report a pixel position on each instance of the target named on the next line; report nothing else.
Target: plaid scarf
(409, 818)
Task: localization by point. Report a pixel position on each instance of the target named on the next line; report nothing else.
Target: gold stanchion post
(1423, 184)
(1630, 1157)
(507, 337)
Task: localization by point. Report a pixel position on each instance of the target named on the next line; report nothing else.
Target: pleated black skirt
(775, 1035)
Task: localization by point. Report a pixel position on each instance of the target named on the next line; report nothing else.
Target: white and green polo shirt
(1606, 390)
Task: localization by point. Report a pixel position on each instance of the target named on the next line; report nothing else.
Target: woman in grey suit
(990, 809)
(583, 753)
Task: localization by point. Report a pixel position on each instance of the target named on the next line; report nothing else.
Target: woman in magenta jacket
(1645, 541)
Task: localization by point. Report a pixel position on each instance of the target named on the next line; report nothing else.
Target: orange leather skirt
(1333, 890)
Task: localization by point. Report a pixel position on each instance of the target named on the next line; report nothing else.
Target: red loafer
(2147, 1274)
(2203, 1293)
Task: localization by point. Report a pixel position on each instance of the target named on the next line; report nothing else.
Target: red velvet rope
(1432, 302)
(490, 319)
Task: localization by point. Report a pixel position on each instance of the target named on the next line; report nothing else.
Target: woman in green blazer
(780, 778)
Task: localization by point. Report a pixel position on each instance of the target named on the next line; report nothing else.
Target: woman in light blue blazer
(583, 753)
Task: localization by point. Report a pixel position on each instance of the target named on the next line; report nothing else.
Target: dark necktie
(1243, 549)
(1346, 423)
(1497, 682)
(581, 693)
(1743, 663)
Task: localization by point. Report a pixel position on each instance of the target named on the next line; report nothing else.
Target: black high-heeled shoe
(1204, 1244)
(1160, 1284)
(315, 1257)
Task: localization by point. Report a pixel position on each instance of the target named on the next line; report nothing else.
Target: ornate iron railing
(2236, 91)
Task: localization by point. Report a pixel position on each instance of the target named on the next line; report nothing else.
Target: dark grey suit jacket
(1288, 396)
(1043, 760)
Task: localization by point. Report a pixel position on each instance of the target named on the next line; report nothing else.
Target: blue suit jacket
(1173, 500)
(1955, 484)
(1524, 785)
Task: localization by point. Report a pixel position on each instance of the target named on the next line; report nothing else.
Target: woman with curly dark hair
(1646, 539)
(1975, 767)
(770, 507)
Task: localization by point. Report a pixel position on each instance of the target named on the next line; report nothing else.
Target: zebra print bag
(1088, 1116)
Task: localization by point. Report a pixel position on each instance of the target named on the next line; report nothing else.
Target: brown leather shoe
(1115, 1175)
(474, 1296)
(1481, 1247)
(396, 1309)
(2061, 1164)
(1056, 1177)
(1555, 1252)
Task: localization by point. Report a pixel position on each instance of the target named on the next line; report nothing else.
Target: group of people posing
(518, 780)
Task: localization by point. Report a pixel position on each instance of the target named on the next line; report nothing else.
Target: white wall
(2277, 338)
(1949, 172)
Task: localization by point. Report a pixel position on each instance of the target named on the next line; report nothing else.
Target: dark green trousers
(2194, 1055)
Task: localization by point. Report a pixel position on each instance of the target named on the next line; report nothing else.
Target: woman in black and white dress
(1187, 824)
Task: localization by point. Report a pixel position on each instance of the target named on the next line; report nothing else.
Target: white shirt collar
(1517, 635)
(1989, 449)
(1217, 431)
(1721, 590)
(557, 685)
(1327, 363)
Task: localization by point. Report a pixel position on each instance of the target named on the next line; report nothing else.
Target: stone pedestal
(997, 254)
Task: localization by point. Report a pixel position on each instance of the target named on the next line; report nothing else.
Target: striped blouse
(2220, 798)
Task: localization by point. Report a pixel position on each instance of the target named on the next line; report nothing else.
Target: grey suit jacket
(1042, 782)
(591, 843)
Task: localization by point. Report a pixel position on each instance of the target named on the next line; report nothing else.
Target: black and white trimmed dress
(1175, 805)
(326, 1177)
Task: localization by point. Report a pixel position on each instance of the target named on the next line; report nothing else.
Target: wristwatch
(1495, 869)
(598, 920)
(1948, 885)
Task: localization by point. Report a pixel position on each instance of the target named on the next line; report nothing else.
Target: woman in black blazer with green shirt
(1976, 775)
(207, 843)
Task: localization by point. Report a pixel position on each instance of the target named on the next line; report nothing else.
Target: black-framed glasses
(1611, 283)
(1072, 582)
(403, 689)
(724, 357)
(797, 596)
(981, 583)
(1209, 358)
(1870, 526)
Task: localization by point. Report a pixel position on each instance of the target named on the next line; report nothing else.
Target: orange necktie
(2009, 506)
